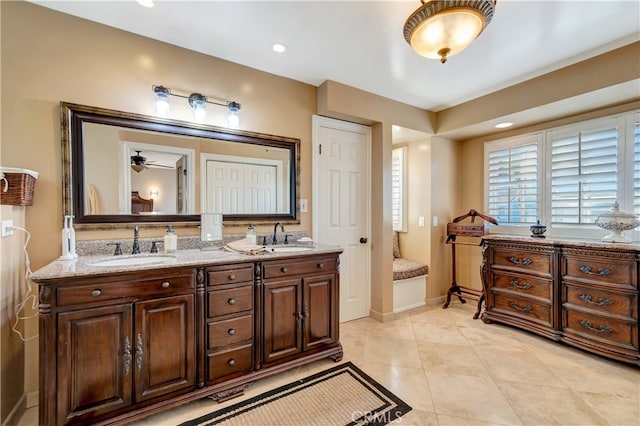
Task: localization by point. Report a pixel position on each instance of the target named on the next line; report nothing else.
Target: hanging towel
(92, 200)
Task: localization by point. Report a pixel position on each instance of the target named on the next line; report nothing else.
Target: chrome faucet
(136, 243)
(275, 230)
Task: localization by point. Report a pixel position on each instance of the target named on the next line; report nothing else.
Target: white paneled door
(341, 208)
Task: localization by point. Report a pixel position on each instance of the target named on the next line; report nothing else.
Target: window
(565, 176)
(513, 182)
(398, 188)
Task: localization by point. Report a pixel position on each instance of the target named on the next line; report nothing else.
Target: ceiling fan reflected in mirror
(139, 163)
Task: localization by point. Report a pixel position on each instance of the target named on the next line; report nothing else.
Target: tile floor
(456, 371)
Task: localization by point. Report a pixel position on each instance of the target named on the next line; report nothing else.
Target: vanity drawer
(524, 284)
(623, 333)
(231, 331)
(238, 274)
(524, 308)
(522, 260)
(612, 272)
(225, 363)
(101, 291)
(291, 267)
(230, 300)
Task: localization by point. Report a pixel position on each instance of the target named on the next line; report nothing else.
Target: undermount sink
(134, 261)
(286, 249)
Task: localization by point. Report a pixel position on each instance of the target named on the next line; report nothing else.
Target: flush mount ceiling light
(279, 48)
(197, 101)
(440, 29)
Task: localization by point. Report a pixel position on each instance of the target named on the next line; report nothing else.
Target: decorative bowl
(617, 222)
(537, 231)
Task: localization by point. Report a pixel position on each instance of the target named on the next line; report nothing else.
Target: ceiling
(361, 44)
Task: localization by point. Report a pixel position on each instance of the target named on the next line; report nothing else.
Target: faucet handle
(264, 240)
(286, 238)
(118, 250)
(154, 246)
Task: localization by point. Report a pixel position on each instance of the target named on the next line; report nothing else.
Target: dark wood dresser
(582, 293)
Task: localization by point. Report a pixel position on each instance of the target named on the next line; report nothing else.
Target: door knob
(363, 240)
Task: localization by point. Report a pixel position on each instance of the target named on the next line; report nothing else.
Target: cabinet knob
(284, 270)
(231, 301)
(97, 292)
(320, 265)
(166, 284)
(231, 277)
(231, 362)
(231, 331)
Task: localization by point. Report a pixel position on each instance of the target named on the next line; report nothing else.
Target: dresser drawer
(525, 261)
(231, 331)
(524, 308)
(230, 300)
(620, 304)
(612, 272)
(102, 291)
(291, 267)
(623, 333)
(237, 274)
(524, 284)
(225, 363)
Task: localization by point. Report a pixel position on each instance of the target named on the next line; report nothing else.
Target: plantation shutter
(513, 184)
(398, 201)
(584, 174)
(636, 168)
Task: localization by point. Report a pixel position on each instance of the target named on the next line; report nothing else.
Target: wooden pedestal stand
(457, 229)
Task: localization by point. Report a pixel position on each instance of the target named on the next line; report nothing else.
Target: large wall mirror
(121, 168)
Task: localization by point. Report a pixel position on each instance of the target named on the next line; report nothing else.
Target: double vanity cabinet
(119, 344)
(582, 293)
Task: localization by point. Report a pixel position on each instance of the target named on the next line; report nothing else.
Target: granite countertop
(85, 265)
(576, 242)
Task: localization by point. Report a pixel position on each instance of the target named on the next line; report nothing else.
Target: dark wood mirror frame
(74, 116)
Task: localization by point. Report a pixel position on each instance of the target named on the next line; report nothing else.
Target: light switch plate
(420, 220)
(435, 221)
(303, 205)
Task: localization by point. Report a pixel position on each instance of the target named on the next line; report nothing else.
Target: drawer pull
(517, 261)
(231, 331)
(284, 270)
(97, 292)
(320, 265)
(231, 301)
(516, 284)
(231, 362)
(127, 355)
(166, 284)
(139, 352)
(231, 277)
(602, 329)
(525, 308)
(601, 271)
(589, 299)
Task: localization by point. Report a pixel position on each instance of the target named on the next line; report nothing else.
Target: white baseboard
(33, 399)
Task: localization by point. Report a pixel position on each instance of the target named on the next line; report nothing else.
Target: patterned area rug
(341, 395)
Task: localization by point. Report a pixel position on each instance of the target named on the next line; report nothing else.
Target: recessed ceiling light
(145, 3)
(503, 125)
(279, 48)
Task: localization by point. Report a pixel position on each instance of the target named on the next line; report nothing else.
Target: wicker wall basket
(19, 185)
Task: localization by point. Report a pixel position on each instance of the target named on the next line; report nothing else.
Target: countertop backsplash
(107, 247)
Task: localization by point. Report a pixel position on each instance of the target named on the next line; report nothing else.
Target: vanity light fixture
(441, 28)
(198, 102)
(153, 193)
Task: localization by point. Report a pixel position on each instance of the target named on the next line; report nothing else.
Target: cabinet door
(319, 311)
(94, 362)
(282, 319)
(164, 346)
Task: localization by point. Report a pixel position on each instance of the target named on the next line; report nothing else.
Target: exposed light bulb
(145, 3)
(198, 102)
